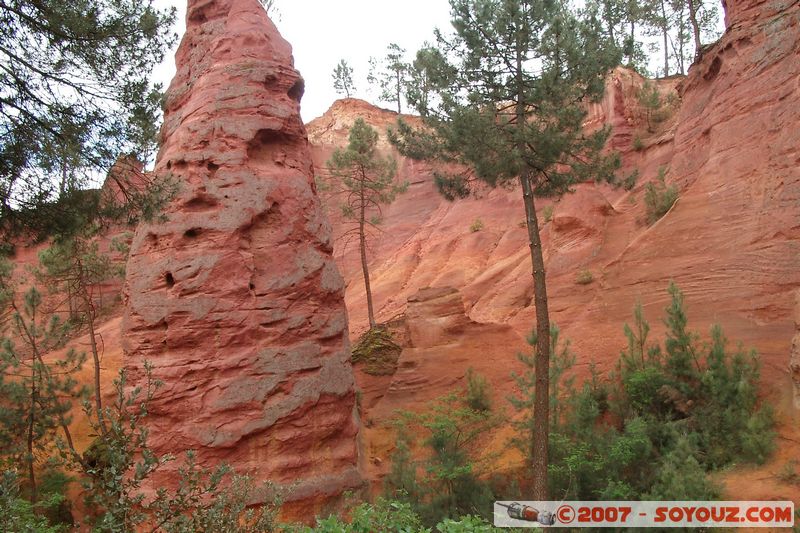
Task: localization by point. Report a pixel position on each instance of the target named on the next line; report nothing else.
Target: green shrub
(17, 513)
(789, 473)
(446, 484)
(629, 182)
(384, 515)
(476, 225)
(658, 197)
(584, 277)
(378, 352)
(638, 143)
(547, 213)
(478, 396)
(669, 414)
(55, 506)
(681, 477)
(389, 516)
(401, 481)
(650, 100)
(466, 524)
(7, 249)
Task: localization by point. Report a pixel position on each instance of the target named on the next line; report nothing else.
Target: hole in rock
(266, 144)
(713, 70)
(169, 279)
(201, 202)
(212, 167)
(297, 90)
(191, 233)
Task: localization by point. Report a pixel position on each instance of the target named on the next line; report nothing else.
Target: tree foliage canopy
(508, 95)
(363, 180)
(343, 79)
(390, 74)
(75, 93)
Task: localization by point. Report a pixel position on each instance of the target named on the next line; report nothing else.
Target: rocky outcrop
(442, 342)
(235, 299)
(621, 109)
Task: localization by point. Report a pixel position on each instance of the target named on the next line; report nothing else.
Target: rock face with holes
(235, 299)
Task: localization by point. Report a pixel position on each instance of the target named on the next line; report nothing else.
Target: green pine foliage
(363, 181)
(38, 394)
(508, 106)
(658, 197)
(561, 385)
(383, 515)
(422, 77)
(391, 75)
(650, 100)
(18, 514)
(389, 516)
(401, 482)
(681, 476)
(343, 79)
(667, 416)
(447, 483)
(478, 393)
(76, 96)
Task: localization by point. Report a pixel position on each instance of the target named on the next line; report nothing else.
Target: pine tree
(271, 7)
(37, 393)
(510, 107)
(422, 77)
(364, 180)
(343, 79)
(74, 266)
(75, 96)
(619, 20)
(561, 362)
(390, 75)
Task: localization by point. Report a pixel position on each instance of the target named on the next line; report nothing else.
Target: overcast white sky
(322, 32)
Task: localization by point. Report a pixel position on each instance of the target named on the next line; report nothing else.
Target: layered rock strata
(235, 298)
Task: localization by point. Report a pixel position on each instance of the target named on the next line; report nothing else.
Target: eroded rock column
(235, 299)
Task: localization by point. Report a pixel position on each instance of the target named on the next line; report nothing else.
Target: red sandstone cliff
(732, 241)
(235, 299)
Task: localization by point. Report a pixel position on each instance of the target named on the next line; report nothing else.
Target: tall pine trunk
(362, 237)
(399, 90)
(632, 42)
(695, 29)
(665, 32)
(98, 397)
(541, 403)
(91, 316)
(31, 424)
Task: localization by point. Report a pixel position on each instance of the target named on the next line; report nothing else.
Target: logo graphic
(660, 514)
